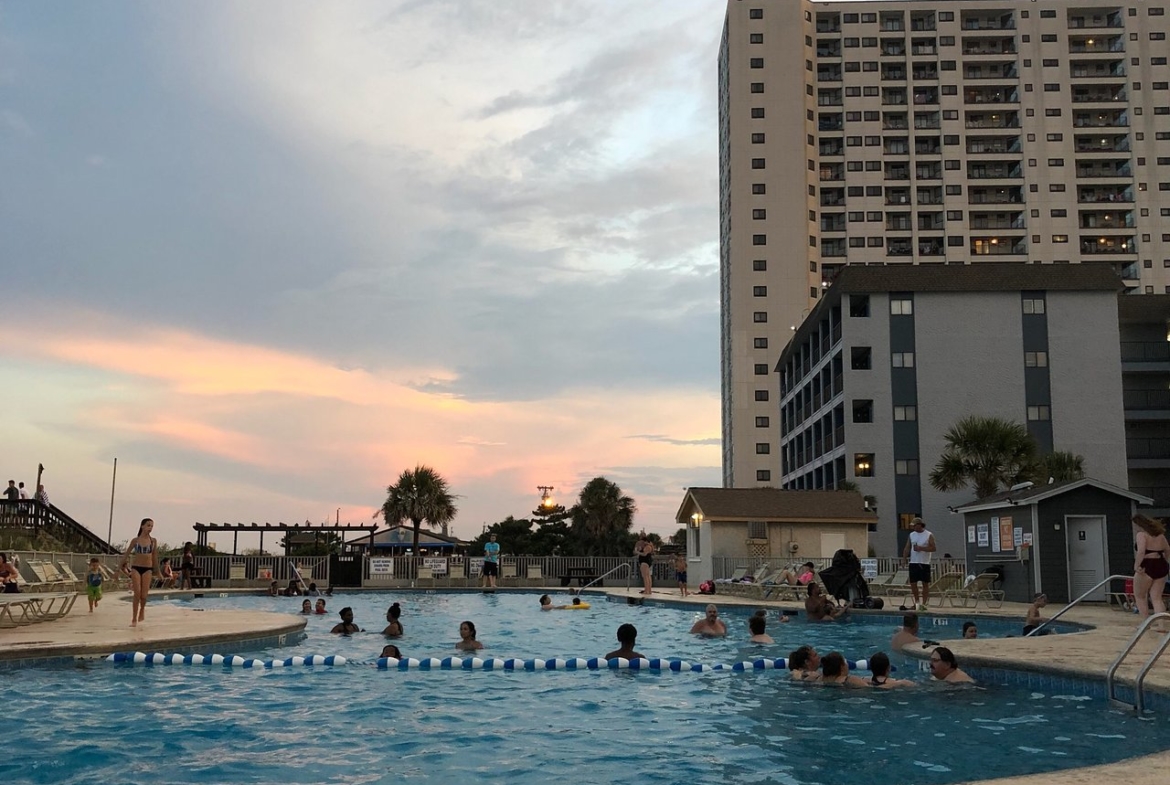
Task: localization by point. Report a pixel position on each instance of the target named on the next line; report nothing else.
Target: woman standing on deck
(1151, 565)
(187, 567)
(644, 550)
(141, 564)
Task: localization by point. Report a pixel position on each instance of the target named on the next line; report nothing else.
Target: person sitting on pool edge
(758, 624)
(627, 636)
(879, 666)
(710, 626)
(805, 664)
(944, 667)
(818, 607)
(970, 631)
(835, 670)
(467, 641)
(347, 626)
(1033, 619)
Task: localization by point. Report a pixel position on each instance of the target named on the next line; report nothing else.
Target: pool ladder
(1077, 601)
(1138, 704)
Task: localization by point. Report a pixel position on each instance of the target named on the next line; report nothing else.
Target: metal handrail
(1065, 609)
(629, 577)
(1138, 704)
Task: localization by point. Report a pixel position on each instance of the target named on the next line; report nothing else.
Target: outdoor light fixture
(696, 520)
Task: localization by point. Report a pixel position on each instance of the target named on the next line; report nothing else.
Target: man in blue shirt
(491, 562)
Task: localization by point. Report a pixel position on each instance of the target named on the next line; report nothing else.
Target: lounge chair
(736, 576)
(48, 579)
(17, 610)
(894, 585)
(980, 589)
(942, 590)
(740, 587)
(64, 570)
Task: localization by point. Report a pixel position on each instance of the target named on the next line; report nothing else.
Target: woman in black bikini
(187, 566)
(1151, 565)
(644, 550)
(141, 564)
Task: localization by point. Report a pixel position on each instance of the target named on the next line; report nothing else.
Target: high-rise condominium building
(943, 132)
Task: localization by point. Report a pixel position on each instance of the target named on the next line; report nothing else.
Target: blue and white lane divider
(462, 663)
(232, 660)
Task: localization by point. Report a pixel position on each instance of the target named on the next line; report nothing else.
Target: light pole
(546, 499)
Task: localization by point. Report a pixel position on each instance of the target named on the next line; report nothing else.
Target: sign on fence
(438, 564)
(382, 568)
(475, 567)
(869, 569)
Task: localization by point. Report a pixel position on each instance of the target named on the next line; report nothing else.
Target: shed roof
(772, 504)
(1038, 493)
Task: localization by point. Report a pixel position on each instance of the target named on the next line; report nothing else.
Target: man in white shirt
(919, 547)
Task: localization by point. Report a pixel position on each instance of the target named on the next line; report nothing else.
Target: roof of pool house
(774, 504)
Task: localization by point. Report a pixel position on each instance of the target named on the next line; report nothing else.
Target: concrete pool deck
(169, 626)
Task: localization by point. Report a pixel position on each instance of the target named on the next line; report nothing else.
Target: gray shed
(1060, 539)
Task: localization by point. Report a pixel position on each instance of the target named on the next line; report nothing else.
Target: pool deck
(169, 627)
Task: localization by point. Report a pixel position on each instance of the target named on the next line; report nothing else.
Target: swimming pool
(99, 722)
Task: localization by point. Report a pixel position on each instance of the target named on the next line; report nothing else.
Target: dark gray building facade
(893, 356)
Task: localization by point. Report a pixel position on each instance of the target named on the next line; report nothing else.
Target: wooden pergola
(203, 529)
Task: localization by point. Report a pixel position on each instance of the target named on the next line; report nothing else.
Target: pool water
(97, 722)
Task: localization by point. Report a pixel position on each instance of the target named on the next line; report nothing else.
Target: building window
(759, 343)
(760, 317)
(760, 265)
(902, 306)
(859, 306)
(757, 87)
(759, 189)
(906, 467)
(862, 411)
(757, 163)
(756, 38)
(756, 62)
(759, 239)
(759, 214)
(761, 422)
(761, 395)
(763, 448)
(757, 138)
(763, 475)
(761, 369)
(902, 359)
(1033, 305)
(905, 413)
(1035, 359)
(863, 464)
(1038, 413)
(860, 358)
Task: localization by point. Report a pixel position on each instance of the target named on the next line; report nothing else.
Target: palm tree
(602, 519)
(1061, 466)
(986, 453)
(421, 494)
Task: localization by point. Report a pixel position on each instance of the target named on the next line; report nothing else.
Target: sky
(269, 254)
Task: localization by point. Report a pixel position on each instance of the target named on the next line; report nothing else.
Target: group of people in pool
(805, 664)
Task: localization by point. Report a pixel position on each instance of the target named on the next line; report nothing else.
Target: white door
(1086, 555)
(830, 544)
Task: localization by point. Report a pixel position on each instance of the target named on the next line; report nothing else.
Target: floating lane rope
(461, 663)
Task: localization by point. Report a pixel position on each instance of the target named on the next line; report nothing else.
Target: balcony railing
(1145, 400)
(1003, 144)
(1009, 196)
(1104, 171)
(998, 246)
(1108, 245)
(984, 47)
(983, 222)
(1097, 197)
(1006, 22)
(1149, 447)
(976, 172)
(893, 48)
(1098, 96)
(975, 97)
(992, 73)
(1007, 120)
(1146, 351)
(1101, 45)
(1107, 220)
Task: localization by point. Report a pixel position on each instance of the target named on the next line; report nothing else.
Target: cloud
(654, 437)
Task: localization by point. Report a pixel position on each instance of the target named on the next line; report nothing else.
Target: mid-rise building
(891, 357)
(928, 133)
